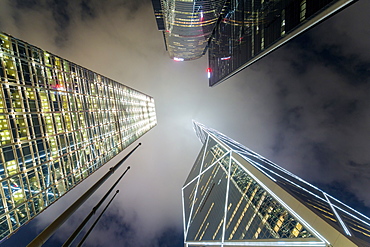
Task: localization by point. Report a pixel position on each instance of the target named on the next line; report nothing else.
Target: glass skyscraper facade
(187, 25)
(235, 197)
(250, 29)
(59, 122)
(236, 32)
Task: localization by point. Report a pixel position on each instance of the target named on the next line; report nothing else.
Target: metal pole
(47, 232)
(88, 217)
(96, 221)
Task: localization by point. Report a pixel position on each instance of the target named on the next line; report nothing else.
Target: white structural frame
(326, 234)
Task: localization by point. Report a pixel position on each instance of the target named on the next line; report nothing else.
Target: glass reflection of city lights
(225, 58)
(201, 16)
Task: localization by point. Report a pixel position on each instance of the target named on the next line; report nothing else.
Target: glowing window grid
(59, 122)
(216, 157)
(188, 26)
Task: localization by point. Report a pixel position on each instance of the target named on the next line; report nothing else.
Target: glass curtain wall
(59, 122)
(249, 29)
(234, 196)
(189, 25)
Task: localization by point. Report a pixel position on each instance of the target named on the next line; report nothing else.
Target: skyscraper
(251, 29)
(187, 25)
(236, 32)
(235, 197)
(59, 123)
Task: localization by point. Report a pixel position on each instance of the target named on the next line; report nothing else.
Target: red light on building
(209, 71)
(58, 87)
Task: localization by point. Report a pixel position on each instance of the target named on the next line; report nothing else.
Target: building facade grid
(250, 29)
(235, 197)
(236, 33)
(188, 25)
(59, 122)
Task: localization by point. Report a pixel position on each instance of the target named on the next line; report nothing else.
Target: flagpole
(49, 231)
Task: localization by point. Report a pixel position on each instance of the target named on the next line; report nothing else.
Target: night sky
(305, 106)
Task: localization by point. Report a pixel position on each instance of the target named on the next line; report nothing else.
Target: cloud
(323, 108)
(347, 33)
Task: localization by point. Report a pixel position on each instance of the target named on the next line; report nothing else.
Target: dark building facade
(235, 197)
(59, 123)
(236, 33)
(250, 29)
(187, 25)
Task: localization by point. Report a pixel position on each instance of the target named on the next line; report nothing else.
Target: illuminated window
(282, 22)
(59, 122)
(302, 14)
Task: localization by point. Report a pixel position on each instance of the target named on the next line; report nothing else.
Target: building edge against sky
(235, 197)
(236, 33)
(59, 123)
(187, 25)
(250, 31)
